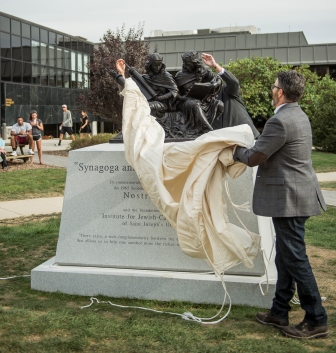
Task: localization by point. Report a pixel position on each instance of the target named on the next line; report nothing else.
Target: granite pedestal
(113, 241)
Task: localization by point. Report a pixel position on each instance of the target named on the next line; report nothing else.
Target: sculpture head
(154, 64)
(191, 61)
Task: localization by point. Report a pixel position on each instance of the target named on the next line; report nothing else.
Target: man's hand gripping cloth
(184, 181)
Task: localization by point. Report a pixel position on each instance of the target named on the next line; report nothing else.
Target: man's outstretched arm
(232, 83)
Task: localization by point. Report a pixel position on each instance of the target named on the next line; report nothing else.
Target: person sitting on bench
(21, 134)
(3, 154)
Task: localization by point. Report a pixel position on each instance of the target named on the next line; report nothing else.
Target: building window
(73, 61)
(44, 75)
(59, 78)
(73, 80)
(17, 71)
(5, 45)
(36, 76)
(67, 42)
(35, 33)
(16, 28)
(86, 62)
(67, 59)
(52, 77)
(16, 48)
(4, 24)
(25, 30)
(60, 57)
(79, 62)
(67, 79)
(73, 44)
(44, 54)
(60, 40)
(52, 55)
(6, 70)
(26, 49)
(27, 73)
(86, 81)
(52, 38)
(80, 80)
(35, 52)
(44, 36)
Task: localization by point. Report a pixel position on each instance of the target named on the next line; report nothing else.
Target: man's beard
(275, 101)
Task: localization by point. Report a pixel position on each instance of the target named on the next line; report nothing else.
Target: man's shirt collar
(277, 108)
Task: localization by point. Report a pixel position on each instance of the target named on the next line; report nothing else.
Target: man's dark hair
(292, 84)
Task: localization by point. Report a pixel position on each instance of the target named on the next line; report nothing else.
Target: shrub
(86, 141)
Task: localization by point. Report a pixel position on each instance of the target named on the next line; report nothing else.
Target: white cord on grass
(5, 278)
(188, 316)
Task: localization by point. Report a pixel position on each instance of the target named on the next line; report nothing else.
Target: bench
(23, 156)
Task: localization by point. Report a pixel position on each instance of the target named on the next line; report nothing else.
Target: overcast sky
(91, 19)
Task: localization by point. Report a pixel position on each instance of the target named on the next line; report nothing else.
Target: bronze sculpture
(163, 84)
(184, 105)
(198, 87)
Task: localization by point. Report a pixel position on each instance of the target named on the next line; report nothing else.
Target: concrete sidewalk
(49, 145)
(322, 177)
(24, 208)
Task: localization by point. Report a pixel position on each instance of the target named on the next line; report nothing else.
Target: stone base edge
(150, 285)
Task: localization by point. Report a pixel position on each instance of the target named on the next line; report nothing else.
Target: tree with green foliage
(309, 99)
(319, 100)
(324, 119)
(103, 98)
(255, 77)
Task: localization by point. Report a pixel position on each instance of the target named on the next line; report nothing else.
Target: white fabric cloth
(184, 180)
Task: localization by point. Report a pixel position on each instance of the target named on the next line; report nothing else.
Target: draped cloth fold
(184, 181)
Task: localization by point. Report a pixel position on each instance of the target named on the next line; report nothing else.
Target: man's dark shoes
(268, 319)
(305, 330)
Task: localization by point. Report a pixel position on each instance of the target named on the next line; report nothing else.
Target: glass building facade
(41, 69)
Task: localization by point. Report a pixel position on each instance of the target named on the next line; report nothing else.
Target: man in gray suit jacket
(287, 190)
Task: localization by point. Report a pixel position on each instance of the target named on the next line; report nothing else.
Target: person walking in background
(66, 125)
(37, 128)
(21, 134)
(85, 126)
(287, 190)
(234, 112)
(3, 154)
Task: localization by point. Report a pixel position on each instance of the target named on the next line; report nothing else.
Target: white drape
(184, 180)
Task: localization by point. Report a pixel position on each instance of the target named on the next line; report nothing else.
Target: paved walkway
(49, 145)
(24, 208)
(20, 208)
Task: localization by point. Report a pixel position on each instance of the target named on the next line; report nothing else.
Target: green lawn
(324, 162)
(39, 322)
(32, 183)
(321, 229)
(328, 185)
